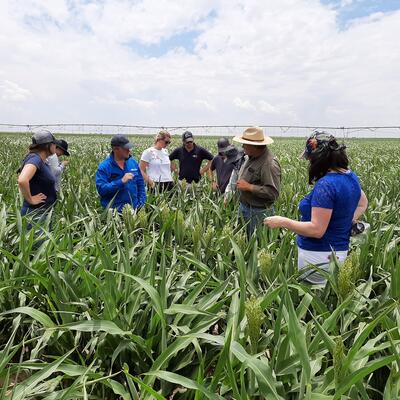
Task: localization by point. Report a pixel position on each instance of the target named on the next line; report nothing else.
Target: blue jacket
(110, 187)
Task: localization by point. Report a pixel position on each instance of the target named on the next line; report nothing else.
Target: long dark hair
(35, 148)
(328, 155)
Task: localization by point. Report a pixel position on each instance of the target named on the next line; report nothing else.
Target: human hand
(244, 185)
(151, 183)
(37, 199)
(215, 186)
(65, 163)
(127, 177)
(275, 222)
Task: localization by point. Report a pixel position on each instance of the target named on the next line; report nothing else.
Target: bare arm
(143, 167)
(24, 178)
(174, 168)
(361, 207)
(315, 228)
(205, 168)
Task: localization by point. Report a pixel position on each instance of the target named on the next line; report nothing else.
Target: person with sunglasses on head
(328, 211)
(36, 182)
(155, 164)
(190, 156)
(57, 167)
(118, 178)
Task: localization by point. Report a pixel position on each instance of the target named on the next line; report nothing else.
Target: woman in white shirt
(155, 164)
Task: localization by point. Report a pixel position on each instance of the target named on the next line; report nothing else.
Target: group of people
(121, 180)
(335, 202)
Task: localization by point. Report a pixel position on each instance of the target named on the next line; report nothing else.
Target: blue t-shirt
(339, 192)
(42, 182)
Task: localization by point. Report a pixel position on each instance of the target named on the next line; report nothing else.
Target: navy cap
(121, 141)
(63, 145)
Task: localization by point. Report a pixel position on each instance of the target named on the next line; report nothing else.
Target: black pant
(163, 187)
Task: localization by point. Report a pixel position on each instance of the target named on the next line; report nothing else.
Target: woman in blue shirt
(36, 181)
(329, 210)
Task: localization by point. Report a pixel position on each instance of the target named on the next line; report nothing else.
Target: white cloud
(205, 104)
(244, 104)
(268, 108)
(129, 102)
(345, 3)
(11, 91)
(280, 62)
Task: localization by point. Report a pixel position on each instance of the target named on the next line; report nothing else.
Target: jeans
(36, 217)
(254, 217)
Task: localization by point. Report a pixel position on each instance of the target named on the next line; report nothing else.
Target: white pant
(318, 258)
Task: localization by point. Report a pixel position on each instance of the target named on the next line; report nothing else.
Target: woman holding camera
(329, 210)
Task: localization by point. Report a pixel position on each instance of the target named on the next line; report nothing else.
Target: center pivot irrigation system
(207, 130)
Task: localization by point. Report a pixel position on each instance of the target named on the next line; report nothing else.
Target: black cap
(121, 141)
(233, 155)
(63, 145)
(187, 137)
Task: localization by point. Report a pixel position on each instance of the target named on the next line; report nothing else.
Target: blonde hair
(162, 135)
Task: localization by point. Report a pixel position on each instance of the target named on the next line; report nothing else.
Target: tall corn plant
(174, 302)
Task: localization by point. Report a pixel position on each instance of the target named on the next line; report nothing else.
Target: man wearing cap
(118, 178)
(258, 180)
(220, 165)
(57, 167)
(191, 156)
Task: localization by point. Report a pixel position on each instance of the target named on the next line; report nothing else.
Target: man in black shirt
(191, 156)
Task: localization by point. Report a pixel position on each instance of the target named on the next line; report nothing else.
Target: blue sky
(350, 10)
(173, 62)
(184, 40)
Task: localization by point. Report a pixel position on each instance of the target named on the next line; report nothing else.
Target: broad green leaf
(261, 369)
(186, 382)
(37, 315)
(93, 326)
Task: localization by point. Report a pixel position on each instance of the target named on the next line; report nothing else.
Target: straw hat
(254, 136)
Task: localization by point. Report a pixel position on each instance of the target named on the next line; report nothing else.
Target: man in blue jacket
(118, 178)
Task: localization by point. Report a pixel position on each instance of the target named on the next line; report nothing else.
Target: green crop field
(175, 303)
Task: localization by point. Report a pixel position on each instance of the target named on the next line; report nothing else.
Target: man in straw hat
(259, 178)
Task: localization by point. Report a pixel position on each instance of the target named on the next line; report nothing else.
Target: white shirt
(57, 169)
(159, 168)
